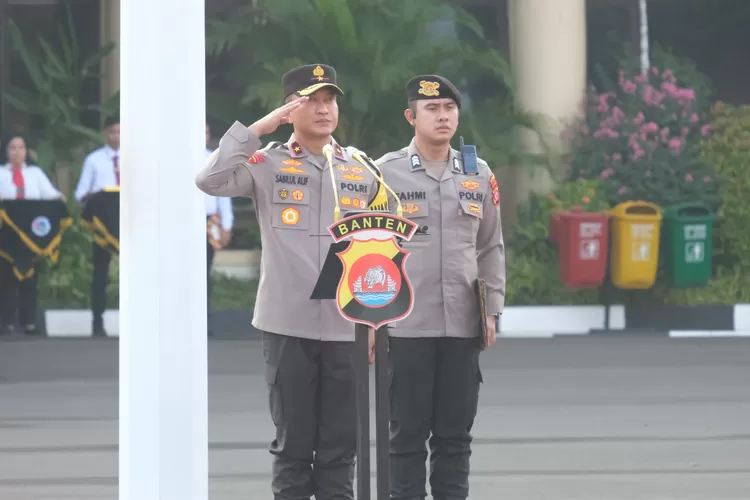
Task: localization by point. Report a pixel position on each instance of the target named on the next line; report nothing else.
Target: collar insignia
(456, 166)
(338, 152)
(415, 162)
(295, 149)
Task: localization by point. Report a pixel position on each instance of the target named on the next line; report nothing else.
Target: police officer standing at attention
(307, 344)
(101, 169)
(434, 353)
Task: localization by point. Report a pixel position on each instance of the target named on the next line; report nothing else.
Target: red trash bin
(583, 246)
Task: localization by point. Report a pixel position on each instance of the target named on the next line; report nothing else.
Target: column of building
(548, 56)
(110, 32)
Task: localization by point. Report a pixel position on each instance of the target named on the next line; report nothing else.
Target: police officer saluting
(434, 353)
(307, 344)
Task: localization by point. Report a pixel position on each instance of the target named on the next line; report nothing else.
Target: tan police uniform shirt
(294, 202)
(463, 241)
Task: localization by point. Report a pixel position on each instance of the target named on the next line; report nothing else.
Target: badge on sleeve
(495, 191)
(256, 158)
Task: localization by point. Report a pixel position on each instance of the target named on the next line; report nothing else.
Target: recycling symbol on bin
(589, 249)
(644, 251)
(641, 251)
(694, 252)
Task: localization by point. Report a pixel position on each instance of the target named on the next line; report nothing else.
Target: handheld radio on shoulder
(469, 157)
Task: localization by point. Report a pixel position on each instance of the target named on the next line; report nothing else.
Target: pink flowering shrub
(641, 140)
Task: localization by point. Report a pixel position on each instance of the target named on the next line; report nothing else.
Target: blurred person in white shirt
(101, 169)
(20, 181)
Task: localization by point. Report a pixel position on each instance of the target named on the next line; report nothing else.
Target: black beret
(432, 87)
(307, 79)
(111, 120)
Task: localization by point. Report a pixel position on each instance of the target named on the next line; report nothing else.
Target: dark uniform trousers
(434, 395)
(101, 258)
(311, 398)
(17, 297)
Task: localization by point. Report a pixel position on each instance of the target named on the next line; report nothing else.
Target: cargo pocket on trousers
(274, 394)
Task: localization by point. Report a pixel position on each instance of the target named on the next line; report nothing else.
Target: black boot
(97, 328)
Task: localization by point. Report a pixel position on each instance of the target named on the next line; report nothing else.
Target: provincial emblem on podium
(374, 288)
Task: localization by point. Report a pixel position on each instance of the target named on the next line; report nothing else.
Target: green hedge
(728, 151)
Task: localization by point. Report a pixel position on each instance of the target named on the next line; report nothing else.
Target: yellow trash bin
(635, 244)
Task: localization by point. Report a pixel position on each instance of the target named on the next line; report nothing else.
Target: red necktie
(116, 161)
(18, 181)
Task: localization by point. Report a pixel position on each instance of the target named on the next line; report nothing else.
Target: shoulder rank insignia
(415, 162)
(256, 158)
(295, 149)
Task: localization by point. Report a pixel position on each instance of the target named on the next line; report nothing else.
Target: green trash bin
(688, 247)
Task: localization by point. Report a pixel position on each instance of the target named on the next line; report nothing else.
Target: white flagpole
(163, 374)
(645, 62)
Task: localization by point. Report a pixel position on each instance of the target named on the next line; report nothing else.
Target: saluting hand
(269, 123)
(490, 334)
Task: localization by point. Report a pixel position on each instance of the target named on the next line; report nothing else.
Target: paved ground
(560, 419)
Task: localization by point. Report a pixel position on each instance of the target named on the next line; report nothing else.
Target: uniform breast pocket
(469, 216)
(291, 207)
(417, 212)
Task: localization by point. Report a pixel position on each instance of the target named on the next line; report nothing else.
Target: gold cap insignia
(318, 73)
(429, 89)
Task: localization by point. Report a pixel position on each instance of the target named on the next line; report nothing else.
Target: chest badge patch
(290, 216)
(292, 170)
(353, 177)
(470, 185)
(411, 208)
